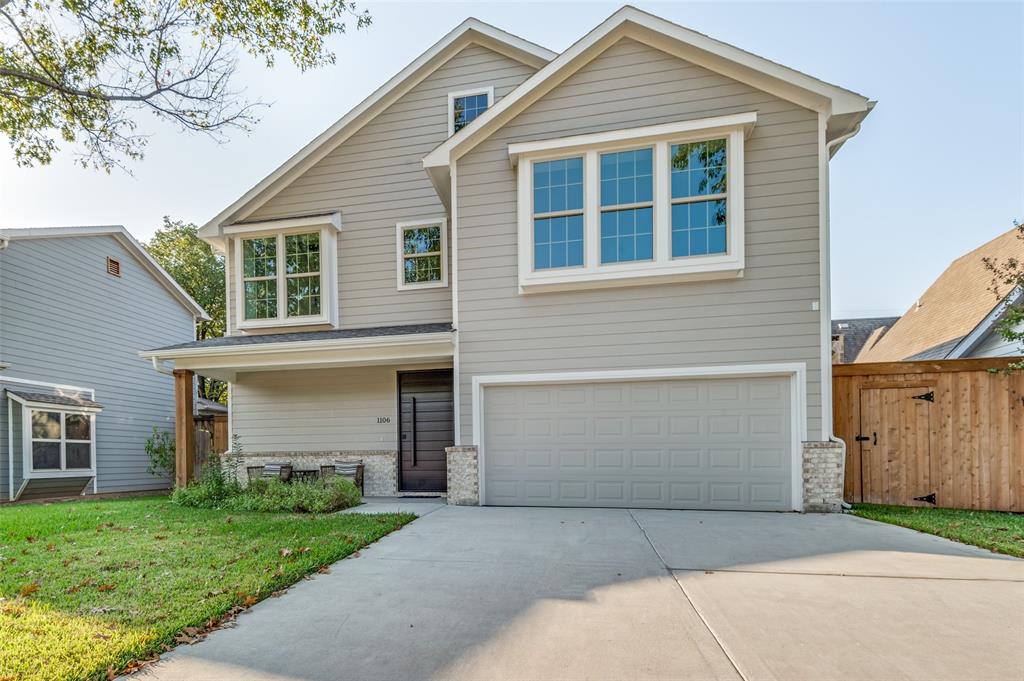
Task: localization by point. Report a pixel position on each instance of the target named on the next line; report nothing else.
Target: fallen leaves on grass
(28, 589)
(105, 587)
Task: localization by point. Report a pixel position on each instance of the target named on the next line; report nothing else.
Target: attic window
(113, 267)
(465, 106)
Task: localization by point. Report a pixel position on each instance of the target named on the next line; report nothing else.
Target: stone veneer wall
(823, 474)
(463, 476)
(380, 472)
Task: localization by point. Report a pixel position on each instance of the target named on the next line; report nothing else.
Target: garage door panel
(708, 443)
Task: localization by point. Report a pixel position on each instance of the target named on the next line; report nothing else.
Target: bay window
(60, 440)
(624, 207)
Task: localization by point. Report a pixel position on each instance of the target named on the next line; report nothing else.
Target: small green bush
(270, 495)
(214, 487)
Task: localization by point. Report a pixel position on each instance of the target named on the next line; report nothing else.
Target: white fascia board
(971, 340)
(124, 237)
(468, 32)
(634, 135)
(329, 219)
(299, 346)
(687, 44)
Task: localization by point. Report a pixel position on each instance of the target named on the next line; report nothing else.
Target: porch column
(184, 427)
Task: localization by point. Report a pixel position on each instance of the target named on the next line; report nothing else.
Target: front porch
(382, 396)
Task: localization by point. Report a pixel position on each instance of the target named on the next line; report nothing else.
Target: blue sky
(937, 170)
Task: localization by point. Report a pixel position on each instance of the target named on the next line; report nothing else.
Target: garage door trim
(796, 371)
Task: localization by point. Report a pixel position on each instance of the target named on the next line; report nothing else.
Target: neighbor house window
(627, 206)
(464, 107)
(699, 193)
(623, 207)
(61, 440)
(422, 254)
(558, 213)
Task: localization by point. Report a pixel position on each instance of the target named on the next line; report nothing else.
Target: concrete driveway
(516, 593)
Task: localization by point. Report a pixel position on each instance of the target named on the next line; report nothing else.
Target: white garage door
(687, 443)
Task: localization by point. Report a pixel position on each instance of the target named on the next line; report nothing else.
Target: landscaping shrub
(214, 487)
(270, 495)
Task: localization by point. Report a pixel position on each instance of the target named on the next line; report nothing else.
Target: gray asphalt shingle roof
(333, 334)
(856, 332)
(56, 400)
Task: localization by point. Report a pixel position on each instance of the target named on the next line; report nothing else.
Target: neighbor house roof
(843, 108)
(860, 333)
(469, 32)
(951, 309)
(125, 239)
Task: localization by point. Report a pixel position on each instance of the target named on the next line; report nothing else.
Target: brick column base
(463, 476)
(824, 469)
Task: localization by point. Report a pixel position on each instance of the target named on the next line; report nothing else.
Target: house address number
(383, 419)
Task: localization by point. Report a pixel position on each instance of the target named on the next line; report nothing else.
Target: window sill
(614, 276)
(66, 473)
(321, 320)
(427, 285)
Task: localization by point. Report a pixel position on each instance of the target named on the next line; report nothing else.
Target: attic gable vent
(113, 267)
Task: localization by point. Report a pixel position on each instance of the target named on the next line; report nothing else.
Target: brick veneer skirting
(463, 476)
(824, 468)
(380, 472)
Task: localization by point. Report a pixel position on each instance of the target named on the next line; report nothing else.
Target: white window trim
(400, 230)
(29, 471)
(663, 268)
(795, 371)
(328, 228)
(452, 96)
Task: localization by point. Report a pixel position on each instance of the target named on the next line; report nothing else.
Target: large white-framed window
(422, 254)
(659, 203)
(464, 106)
(286, 272)
(60, 440)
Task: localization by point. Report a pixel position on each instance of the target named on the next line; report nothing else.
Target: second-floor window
(281, 276)
(422, 254)
(465, 106)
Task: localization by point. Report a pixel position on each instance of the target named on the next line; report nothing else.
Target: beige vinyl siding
(765, 316)
(376, 179)
(317, 409)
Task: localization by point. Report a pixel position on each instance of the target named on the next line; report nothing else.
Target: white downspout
(160, 368)
(826, 287)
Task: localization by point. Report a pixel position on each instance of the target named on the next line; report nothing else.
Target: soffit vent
(113, 267)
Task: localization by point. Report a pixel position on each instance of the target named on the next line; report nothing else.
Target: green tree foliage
(78, 71)
(200, 271)
(1007, 276)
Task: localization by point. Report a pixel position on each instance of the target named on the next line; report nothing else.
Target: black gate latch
(927, 397)
(928, 498)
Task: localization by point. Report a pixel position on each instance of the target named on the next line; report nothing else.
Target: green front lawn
(992, 530)
(91, 585)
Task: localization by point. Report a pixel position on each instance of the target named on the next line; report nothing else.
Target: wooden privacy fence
(948, 428)
(211, 436)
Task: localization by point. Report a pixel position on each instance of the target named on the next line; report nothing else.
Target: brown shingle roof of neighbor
(56, 400)
(952, 306)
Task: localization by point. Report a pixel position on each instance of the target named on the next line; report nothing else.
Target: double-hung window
(558, 213)
(60, 440)
(422, 254)
(286, 277)
(623, 207)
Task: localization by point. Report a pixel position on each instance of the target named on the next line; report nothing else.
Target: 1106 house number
(383, 419)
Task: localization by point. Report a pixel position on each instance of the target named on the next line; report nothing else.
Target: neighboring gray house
(958, 316)
(77, 403)
(595, 278)
(851, 336)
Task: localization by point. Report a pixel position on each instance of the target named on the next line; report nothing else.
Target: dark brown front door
(426, 417)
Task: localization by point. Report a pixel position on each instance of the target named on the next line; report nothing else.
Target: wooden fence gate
(949, 433)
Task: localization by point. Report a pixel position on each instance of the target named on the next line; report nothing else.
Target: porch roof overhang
(226, 357)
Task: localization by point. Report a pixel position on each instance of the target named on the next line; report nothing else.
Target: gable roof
(471, 31)
(845, 108)
(951, 309)
(860, 333)
(125, 239)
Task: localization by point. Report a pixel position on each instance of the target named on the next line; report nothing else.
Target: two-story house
(77, 403)
(597, 278)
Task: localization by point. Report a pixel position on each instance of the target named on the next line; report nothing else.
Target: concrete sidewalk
(516, 593)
